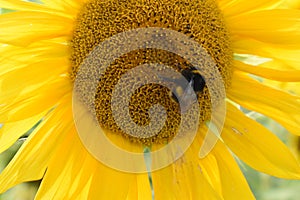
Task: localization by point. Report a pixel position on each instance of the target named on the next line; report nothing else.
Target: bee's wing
(188, 97)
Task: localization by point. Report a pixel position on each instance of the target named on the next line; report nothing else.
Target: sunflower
(45, 44)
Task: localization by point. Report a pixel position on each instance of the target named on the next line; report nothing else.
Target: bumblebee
(196, 83)
(186, 85)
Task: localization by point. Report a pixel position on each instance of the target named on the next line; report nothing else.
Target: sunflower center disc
(199, 20)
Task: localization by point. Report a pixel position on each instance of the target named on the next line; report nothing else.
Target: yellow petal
(278, 105)
(68, 173)
(35, 26)
(140, 188)
(133, 191)
(291, 4)
(223, 173)
(292, 88)
(30, 6)
(257, 146)
(20, 98)
(72, 168)
(11, 132)
(209, 168)
(282, 65)
(274, 74)
(238, 7)
(70, 6)
(188, 178)
(30, 78)
(80, 174)
(271, 26)
(32, 159)
(234, 185)
(33, 53)
(108, 177)
(143, 187)
(27, 106)
(182, 181)
(287, 57)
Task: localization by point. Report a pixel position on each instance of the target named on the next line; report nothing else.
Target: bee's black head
(192, 74)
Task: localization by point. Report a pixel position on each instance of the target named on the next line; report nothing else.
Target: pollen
(200, 20)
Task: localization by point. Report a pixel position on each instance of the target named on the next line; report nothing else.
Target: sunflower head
(200, 20)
